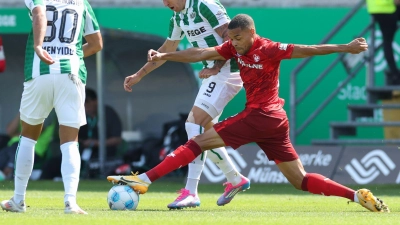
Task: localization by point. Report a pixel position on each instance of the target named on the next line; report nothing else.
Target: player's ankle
(144, 178)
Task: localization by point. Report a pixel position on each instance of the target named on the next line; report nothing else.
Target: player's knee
(190, 118)
(199, 118)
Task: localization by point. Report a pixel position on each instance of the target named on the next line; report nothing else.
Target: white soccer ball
(122, 198)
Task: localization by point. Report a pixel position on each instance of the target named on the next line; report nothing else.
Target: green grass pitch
(262, 204)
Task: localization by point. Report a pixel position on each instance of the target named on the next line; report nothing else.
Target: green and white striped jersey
(67, 22)
(198, 21)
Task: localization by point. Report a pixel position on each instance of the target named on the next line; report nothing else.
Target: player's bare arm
(187, 56)
(39, 23)
(354, 47)
(94, 44)
(222, 31)
(168, 46)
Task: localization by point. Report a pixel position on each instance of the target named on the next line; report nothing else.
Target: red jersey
(259, 70)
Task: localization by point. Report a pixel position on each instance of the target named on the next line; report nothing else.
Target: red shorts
(269, 130)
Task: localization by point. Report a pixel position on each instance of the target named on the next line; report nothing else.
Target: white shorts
(43, 93)
(214, 93)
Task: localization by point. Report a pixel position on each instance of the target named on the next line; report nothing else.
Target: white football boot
(73, 209)
(12, 206)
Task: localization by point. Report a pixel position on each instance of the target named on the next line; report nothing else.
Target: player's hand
(130, 81)
(357, 45)
(43, 55)
(153, 55)
(208, 72)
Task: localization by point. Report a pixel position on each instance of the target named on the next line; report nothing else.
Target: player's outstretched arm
(39, 23)
(186, 56)
(354, 47)
(94, 44)
(168, 46)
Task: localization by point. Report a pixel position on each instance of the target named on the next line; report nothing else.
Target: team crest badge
(192, 15)
(283, 46)
(256, 58)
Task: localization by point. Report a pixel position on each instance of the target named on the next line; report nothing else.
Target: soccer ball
(122, 198)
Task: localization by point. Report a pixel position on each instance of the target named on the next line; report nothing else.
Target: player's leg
(277, 146)
(220, 157)
(235, 180)
(233, 131)
(182, 156)
(36, 104)
(318, 184)
(69, 97)
(213, 96)
(230, 128)
(24, 159)
(195, 125)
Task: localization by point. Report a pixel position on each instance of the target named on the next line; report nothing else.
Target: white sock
(195, 168)
(356, 198)
(221, 158)
(144, 178)
(70, 169)
(23, 167)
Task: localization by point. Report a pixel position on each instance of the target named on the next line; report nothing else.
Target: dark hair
(241, 20)
(91, 94)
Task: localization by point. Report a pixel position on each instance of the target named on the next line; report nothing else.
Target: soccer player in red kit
(263, 120)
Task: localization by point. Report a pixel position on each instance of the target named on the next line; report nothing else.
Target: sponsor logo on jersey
(196, 32)
(370, 167)
(220, 14)
(283, 46)
(252, 66)
(256, 57)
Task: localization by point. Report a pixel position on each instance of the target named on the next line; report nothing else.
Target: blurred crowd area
(226, 3)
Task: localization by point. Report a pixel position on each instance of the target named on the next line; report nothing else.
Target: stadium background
(132, 27)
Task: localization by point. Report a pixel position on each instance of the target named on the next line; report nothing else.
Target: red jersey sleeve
(278, 51)
(225, 50)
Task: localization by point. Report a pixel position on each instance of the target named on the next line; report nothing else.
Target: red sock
(182, 156)
(318, 184)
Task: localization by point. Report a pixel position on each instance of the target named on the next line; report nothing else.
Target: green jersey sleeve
(175, 31)
(214, 13)
(91, 24)
(31, 4)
